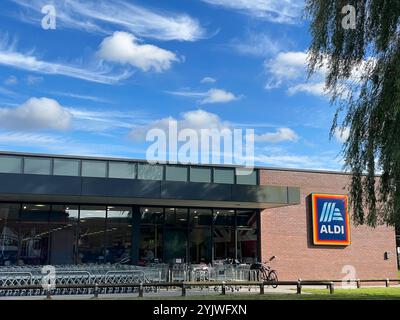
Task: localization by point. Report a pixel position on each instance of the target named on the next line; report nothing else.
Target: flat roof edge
(104, 158)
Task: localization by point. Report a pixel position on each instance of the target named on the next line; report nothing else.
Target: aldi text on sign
(330, 219)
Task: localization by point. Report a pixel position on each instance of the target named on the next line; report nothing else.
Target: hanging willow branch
(363, 77)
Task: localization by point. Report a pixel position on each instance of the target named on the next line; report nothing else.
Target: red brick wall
(285, 233)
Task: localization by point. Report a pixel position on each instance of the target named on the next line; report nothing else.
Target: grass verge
(309, 294)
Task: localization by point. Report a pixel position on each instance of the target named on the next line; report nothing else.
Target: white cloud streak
(256, 44)
(281, 135)
(11, 80)
(102, 16)
(209, 97)
(208, 80)
(279, 11)
(80, 96)
(11, 58)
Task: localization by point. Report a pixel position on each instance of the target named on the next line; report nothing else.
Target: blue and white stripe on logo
(330, 213)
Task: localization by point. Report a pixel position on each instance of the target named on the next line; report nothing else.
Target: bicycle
(265, 272)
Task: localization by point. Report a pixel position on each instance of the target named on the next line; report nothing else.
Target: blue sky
(113, 69)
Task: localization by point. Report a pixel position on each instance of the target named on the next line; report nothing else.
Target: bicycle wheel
(273, 277)
(263, 275)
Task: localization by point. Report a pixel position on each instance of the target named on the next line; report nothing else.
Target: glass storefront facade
(38, 234)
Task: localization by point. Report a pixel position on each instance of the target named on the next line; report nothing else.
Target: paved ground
(192, 293)
(165, 293)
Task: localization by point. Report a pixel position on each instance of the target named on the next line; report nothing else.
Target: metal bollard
(96, 291)
(387, 283)
(223, 288)
(358, 283)
(262, 288)
(298, 286)
(183, 290)
(141, 290)
(331, 288)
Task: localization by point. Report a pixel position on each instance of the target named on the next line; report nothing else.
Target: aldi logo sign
(330, 219)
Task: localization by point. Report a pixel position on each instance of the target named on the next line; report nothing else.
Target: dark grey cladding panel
(123, 188)
(195, 191)
(264, 194)
(81, 187)
(39, 184)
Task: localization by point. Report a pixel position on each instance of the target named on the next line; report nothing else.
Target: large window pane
(9, 164)
(175, 234)
(247, 236)
(67, 213)
(150, 248)
(66, 167)
(119, 215)
(200, 218)
(176, 217)
(119, 234)
(63, 234)
(35, 212)
(34, 234)
(244, 176)
(9, 242)
(224, 234)
(150, 172)
(224, 217)
(200, 245)
(121, 170)
(151, 215)
(175, 244)
(9, 211)
(199, 174)
(224, 175)
(200, 235)
(176, 173)
(94, 169)
(37, 166)
(92, 235)
(224, 242)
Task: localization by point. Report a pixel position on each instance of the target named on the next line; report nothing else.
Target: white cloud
(286, 66)
(208, 80)
(279, 11)
(11, 80)
(195, 119)
(281, 135)
(10, 57)
(36, 114)
(101, 16)
(219, 96)
(256, 44)
(31, 80)
(124, 48)
(316, 89)
(289, 69)
(342, 134)
(209, 97)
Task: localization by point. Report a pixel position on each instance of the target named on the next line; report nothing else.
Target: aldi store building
(71, 210)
